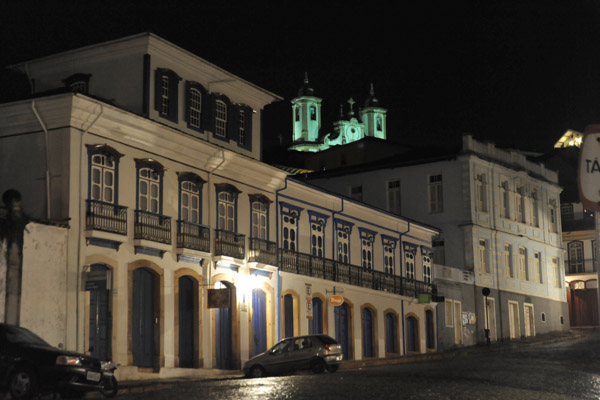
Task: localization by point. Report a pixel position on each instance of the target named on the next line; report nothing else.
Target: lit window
(259, 219)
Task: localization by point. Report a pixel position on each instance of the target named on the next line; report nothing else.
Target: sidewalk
(148, 385)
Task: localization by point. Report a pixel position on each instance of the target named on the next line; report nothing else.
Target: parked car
(312, 352)
(29, 365)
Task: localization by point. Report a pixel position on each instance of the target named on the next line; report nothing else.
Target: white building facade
(184, 251)
(499, 214)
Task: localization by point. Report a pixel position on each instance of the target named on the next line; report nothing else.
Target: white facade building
(183, 250)
(499, 214)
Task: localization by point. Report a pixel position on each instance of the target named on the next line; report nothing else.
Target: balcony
(230, 244)
(106, 217)
(305, 264)
(262, 251)
(586, 266)
(153, 227)
(193, 236)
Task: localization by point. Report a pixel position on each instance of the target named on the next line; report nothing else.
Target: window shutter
(157, 88)
(233, 121)
(209, 108)
(173, 96)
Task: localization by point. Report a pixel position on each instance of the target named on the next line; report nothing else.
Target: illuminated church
(368, 122)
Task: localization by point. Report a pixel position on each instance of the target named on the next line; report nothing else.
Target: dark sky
(518, 73)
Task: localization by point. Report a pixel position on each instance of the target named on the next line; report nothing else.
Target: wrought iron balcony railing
(230, 244)
(262, 251)
(305, 264)
(193, 236)
(106, 217)
(154, 227)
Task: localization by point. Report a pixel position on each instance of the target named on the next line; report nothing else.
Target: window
(566, 212)
(342, 233)
(523, 271)
(356, 193)
(195, 107)
(575, 257)
(481, 190)
(242, 128)
(448, 309)
(557, 275)
(552, 215)
(391, 329)
(409, 260)
(78, 83)
(227, 196)
(366, 242)
(313, 113)
(317, 232)
(190, 189)
(537, 257)
(436, 198)
(484, 266)
(389, 258)
(535, 208)
(297, 113)
(520, 204)
(394, 197)
(378, 124)
(221, 119)
(166, 89)
(439, 256)
(260, 217)
(508, 262)
(289, 226)
(102, 178)
(505, 199)
(427, 256)
(149, 189)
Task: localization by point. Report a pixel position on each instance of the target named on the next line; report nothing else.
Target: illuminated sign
(336, 300)
(589, 168)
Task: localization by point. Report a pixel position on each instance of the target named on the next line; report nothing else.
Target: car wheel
(317, 366)
(332, 368)
(110, 387)
(23, 384)
(257, 372)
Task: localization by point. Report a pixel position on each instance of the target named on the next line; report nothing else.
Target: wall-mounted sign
(336, 300)
(218, 298)
(588, 176)
(309, 308)
(98, 280)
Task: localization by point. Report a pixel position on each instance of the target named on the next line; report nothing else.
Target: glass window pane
(108, 178)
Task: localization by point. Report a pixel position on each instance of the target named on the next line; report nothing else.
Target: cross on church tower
(351, 102)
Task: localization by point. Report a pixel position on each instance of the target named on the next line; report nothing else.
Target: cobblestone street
(561, 370)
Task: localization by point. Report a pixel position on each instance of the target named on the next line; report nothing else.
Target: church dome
(306, 90)
(371, 100)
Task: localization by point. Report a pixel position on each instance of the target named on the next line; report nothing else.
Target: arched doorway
(187, 324)
(412, 334)
(100, 321)
(391, 333)
(223, 331)
(430, 329)
(315, 325)
(288, 315)
(342, 328)
(143, 316)
(367, 333)
(259, 321)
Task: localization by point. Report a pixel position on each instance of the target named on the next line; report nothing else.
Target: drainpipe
(278, 289)
(47, 174)
(81, 222)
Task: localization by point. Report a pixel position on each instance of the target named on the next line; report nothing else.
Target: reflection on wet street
(567, 370)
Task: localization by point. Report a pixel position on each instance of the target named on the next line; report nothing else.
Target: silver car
(312, 352)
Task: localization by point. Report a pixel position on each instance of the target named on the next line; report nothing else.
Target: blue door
(390, 333)
(315, 325)
(100, 319)
(288, 314)
(259, 322)
(142, 323)
(223, 337)
(411, 334)
(342, 319)
(186, 322)
(367, 332)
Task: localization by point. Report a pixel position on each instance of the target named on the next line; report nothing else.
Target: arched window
(391, 329)
(315, 325)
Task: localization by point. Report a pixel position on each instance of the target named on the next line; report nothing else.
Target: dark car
(29, 365)
(312, 352)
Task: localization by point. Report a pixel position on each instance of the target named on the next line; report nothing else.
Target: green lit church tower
(306, 114)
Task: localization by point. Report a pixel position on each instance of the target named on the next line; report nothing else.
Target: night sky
(516, 73)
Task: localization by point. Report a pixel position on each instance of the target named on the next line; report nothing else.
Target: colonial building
(184, 250)
(500, 222)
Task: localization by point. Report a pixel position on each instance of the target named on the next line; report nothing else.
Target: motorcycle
(109, 383)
